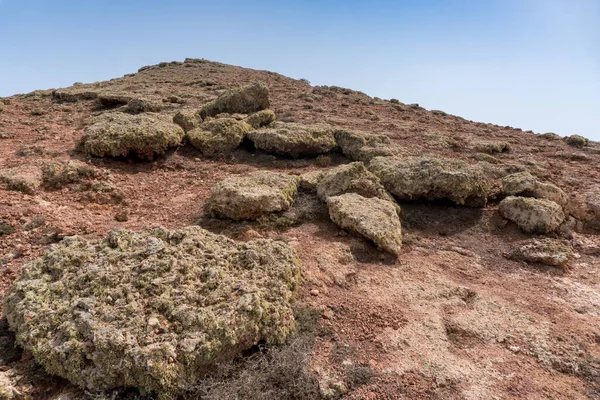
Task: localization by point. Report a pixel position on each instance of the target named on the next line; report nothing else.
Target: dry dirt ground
(450, 318)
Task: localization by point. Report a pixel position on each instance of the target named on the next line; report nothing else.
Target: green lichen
(119, 134)
(362, 146)
(154, 310)
(532, 215)
(261, 118)
(187, 119)
(26, 179)
(576, 141)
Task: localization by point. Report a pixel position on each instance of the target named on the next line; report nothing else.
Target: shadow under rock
(442, 218)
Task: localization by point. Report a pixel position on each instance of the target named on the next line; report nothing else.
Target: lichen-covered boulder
(372, 218)
(410, 178)
(75, 93)
(532, 215)
(153, 310)
(309, 180)
(261, 118)
(187, 119)
(244, 100)
(525, 184)
(492, 147)
(140, 105)
(351, 178)
(292, 139)
(26, 179)
(56, 175)
(114, 99)
(253, 195)
(545, 251)
(576, 141)
(218, 136)
(362, 146)
(119, 134)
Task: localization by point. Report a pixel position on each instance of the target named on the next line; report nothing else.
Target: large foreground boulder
(252, 196)
(532, 215)
(244, 100)
(525, 184)
(218, 136)
(410, 178)
(373, 218)
(544, 251)
(154, 310)
(292, 139)
(119, 134)
(362, 146)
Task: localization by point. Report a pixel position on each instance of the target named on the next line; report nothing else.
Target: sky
(533, 64)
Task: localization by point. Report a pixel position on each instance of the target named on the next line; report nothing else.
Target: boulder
(218, 136)
(309, 180)
(153, 310)
(291, 139)
(362, 146)
(351, 178)
(56, 175)
(140, 105)
(261, 118)
(492, 147)
(532, 215)
(187, 119)
(372, 218)
(576, 141)
(114, 99)
(252, 196)
(411, 178)
(525, 184)
(75, 93)
(545, 251)
(118, 134)
(26, 179)
(244, 100)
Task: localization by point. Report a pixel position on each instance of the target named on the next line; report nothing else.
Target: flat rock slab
(294, 140)
(532, 215)
(545, 251)
(412, 178)
(252, 196)
(363, 146)
(153, 310)
(118, 134)
(527, 185)
(372, 218)
(218, 136)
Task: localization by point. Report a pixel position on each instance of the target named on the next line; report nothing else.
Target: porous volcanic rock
(253, 195)
(140, 105)
(114, 99)
(56, 175)
(525, 184)
(362, 146)
(244, 100)
(545, 251)
(351, 178)
(532, 215)
(261, 118)
(26, 179)
(187, 119)
(373, 218)
(309, 180)
(292, 139)
(74, 94)
(430, 178)
(218, 136)
(492, 147)
(154, 309)
(118, 134)
(576, 141)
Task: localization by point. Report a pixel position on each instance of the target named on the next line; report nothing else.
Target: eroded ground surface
(450, 318)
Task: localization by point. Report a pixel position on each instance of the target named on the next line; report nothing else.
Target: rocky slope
(438, 257)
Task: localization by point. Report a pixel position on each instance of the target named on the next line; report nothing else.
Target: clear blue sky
(533, 64)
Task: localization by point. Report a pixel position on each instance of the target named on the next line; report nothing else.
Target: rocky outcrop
(372, 218)
(261, 118)
(532, 215)
(153, 310)
(576, 141)
(244, 100)
(362, 146)
(218, 136)
(525, 184)
(252, 196)
(291, 139)
(187, 119)
(411, 178)
(118, 134)
(351, 178)
(545, 251)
